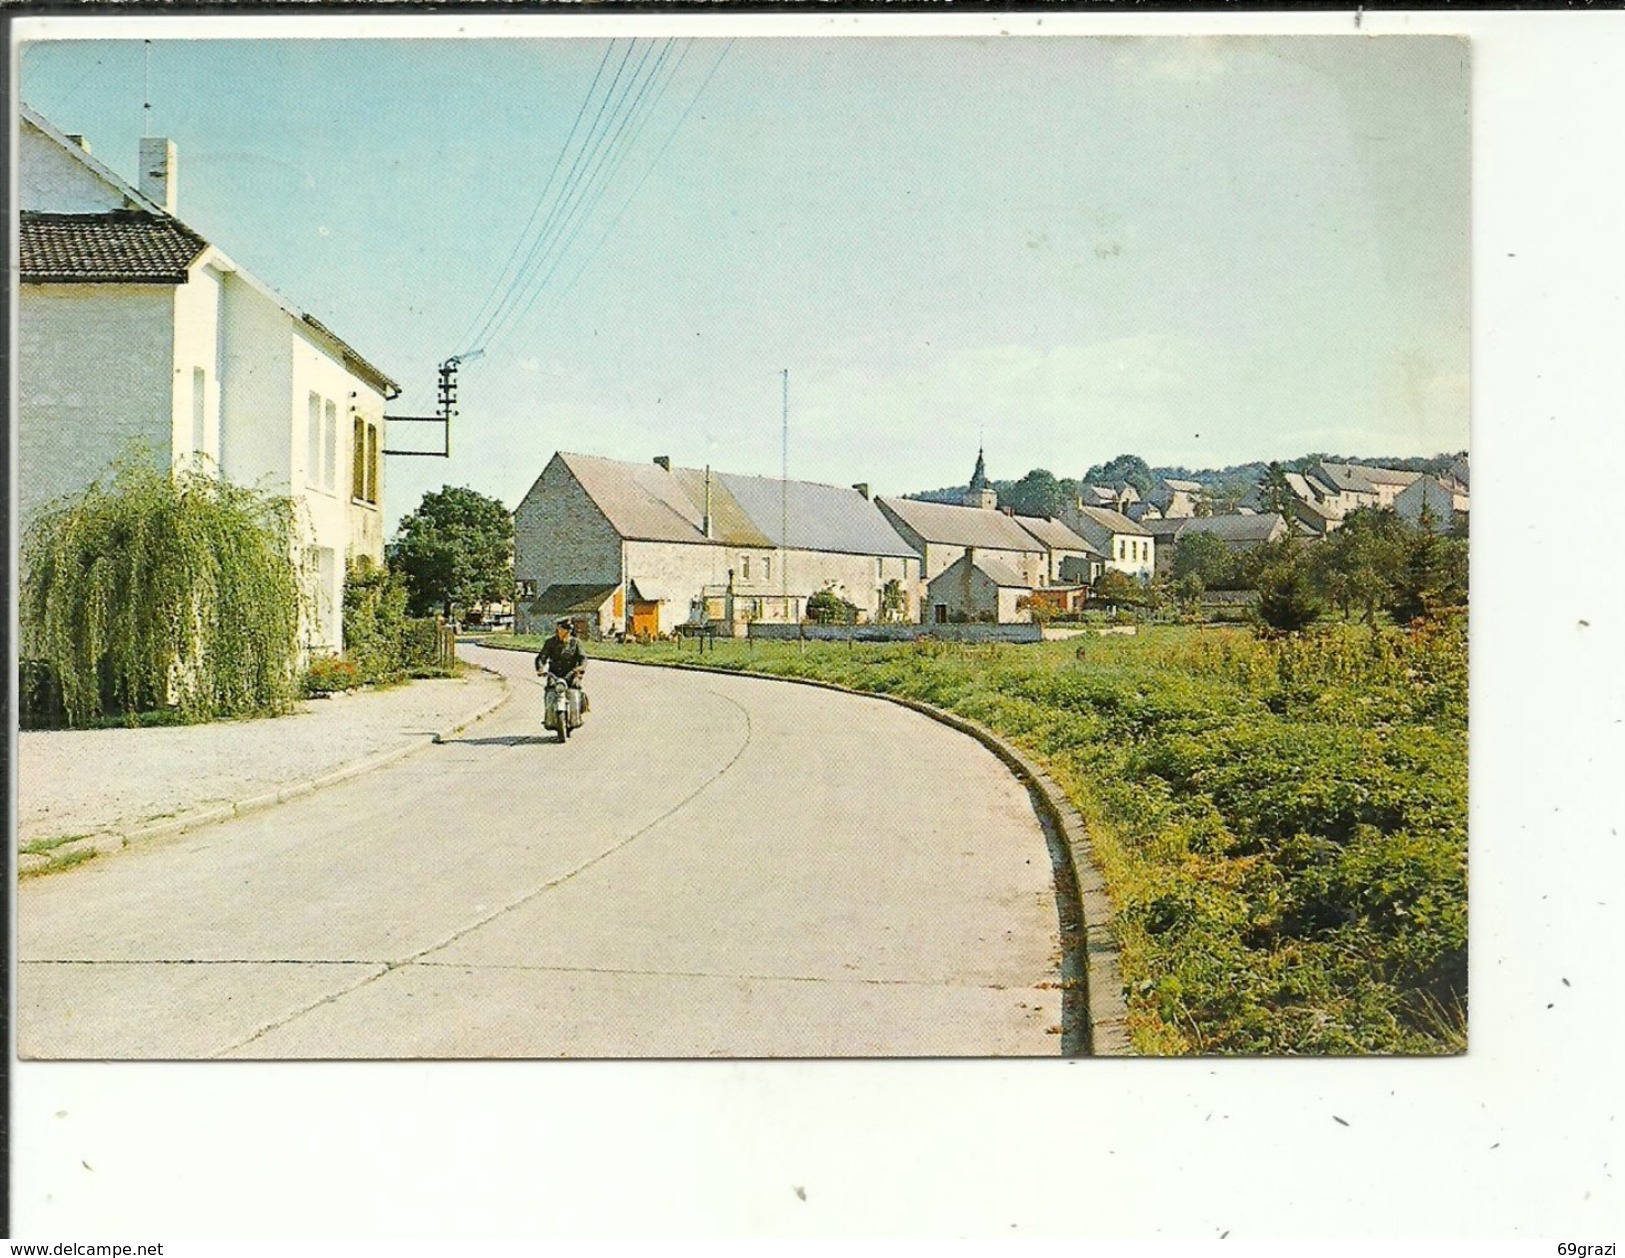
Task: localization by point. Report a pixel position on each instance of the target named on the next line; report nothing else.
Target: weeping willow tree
(164, 591)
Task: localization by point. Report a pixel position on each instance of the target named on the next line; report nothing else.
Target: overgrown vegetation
(1282, 820)
(159, 593)
(382, 644)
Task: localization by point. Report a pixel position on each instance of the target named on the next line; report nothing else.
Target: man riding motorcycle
(562, 656)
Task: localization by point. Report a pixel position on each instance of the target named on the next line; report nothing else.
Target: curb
(1090, 952)
(117, 840)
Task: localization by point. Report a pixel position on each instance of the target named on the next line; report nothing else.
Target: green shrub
(158, 591)
(329, 674)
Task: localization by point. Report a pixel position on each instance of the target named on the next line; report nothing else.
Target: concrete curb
(1088, 940)
(116, 840)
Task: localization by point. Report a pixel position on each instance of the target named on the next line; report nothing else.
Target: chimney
(80, 141)
(158, 179)
(863, 488)
(663, 461)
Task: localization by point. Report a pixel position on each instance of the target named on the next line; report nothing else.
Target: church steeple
(978, 493)
(978, 478)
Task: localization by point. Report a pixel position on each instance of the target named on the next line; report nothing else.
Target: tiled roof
(559, 598)
(1114, 521)
(123, 247)
(1054, 535)
(948, 525)
(645, 502)
(1235, 528)
(995, 570)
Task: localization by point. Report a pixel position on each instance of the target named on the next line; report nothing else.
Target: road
(713, 867)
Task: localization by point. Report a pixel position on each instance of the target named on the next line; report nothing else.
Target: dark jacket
(561, 658)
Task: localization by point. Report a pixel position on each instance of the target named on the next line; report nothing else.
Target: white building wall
(51, 181)
(195, 390)
(260, 426)
(94, 376)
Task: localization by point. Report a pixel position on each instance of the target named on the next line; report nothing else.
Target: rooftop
(123, 247)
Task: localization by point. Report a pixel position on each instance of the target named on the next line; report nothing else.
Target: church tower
(978, 494)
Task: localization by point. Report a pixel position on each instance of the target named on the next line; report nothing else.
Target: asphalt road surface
(712, 867)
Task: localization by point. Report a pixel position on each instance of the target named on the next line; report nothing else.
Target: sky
(1200, 250)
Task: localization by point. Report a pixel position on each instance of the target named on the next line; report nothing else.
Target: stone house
(676, 546)
(1239, 533)
(134, 332)
(978, 587)
(940, 534)
(1129, 547)
(1063, 548)
(1446, 502)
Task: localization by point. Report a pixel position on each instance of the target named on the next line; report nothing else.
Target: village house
(1446, 502)
(643, 548)
(1239, 533)
(1174, 499)
(1128, 547)
(1069, 559)
(940, 534)
(978, 587)
(136, 333)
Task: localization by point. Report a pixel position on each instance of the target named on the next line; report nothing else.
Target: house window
(372, 463)
(330, 446)
(744, 567)
(358, 458)
(767, 568)
(313, 442)
(199, 384)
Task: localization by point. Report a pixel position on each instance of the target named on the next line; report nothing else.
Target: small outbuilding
(977, 587)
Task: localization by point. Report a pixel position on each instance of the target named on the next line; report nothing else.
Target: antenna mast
(146, 94)
(784, 501)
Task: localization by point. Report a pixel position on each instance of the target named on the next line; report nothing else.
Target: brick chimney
(663, 461)
(158, 176)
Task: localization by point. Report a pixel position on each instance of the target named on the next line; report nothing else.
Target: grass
(38, 847)
(1282, 823)
(59, 863)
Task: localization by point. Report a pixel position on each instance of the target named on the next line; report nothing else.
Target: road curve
(714, 867)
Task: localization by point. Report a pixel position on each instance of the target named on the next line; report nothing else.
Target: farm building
(675, 546)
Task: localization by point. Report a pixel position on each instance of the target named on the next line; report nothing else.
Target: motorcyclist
(562, 656)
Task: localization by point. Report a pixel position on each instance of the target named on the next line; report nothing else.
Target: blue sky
(1202, 251)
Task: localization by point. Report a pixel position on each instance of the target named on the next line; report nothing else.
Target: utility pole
(784, 502)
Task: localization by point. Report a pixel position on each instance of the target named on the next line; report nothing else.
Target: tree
(1433, 575)
(1117, 587)
(163, 591)
(1275, 491)
(1125, 468)
(1204, 556)
(1286, 599)
(1356, 566)
(455, 550)
(1036, 493)
(826, 607)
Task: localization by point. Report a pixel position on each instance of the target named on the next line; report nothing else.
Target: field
(1282, 822)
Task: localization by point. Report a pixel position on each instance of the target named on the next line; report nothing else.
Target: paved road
(714, 866)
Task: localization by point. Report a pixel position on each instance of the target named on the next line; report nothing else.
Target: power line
(558, 161)
(527, 267)
(582, 213)
(632, 196)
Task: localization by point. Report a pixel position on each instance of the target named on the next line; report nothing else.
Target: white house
(651, 546)
(941, 533)
(133, 330)
(1128, 547)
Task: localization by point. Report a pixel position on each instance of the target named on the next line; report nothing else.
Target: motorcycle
(561, 707)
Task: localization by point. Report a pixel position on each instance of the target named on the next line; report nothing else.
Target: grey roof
(645, 502)
(821, 517)
(1183, 486)
(995, 570)
(948, 525)
(119, 247)
(1115, 521)
(1168, 530)
(1348, 478)
(1389, 476)
(1235, 528)
(561, 597)
(1054, 535)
